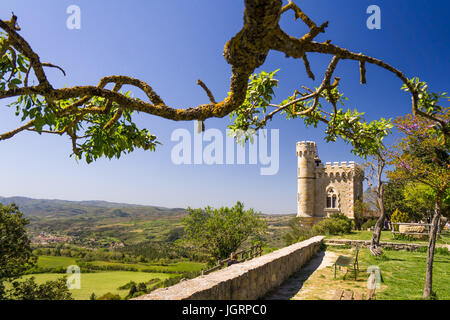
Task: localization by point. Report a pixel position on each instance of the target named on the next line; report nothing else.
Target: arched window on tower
(331, 199)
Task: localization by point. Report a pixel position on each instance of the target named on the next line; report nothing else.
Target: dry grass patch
(321, 285)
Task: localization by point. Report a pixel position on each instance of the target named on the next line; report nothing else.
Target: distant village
(45, 239)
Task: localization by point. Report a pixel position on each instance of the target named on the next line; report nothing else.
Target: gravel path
(293, 286)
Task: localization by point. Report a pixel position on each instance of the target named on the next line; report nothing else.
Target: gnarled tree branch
(245, 52)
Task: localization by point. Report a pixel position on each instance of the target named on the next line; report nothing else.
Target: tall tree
(394, 197)
(16, 255)
(99, 120)
(376, 166)
(50, 290)
(420, 199)
(423, 156)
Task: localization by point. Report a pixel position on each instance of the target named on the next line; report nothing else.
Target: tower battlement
(342, 164)
(306, 149)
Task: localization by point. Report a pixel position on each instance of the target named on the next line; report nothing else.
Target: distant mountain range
(115, 222)
(39, 207)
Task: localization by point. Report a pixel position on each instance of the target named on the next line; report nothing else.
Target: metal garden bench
(348, 262)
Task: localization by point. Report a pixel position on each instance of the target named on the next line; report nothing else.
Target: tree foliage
(29, 290)
(376, 165)
(423, 156)
(350, 125)
(99, 119)
(394, 197)
(16, 257)
(109, 296)
(15, 250)
(297, 232)
(423, 153)
(336, 223)
(364, 210)
(222, 231)
(420, 199)
(369, 224)
(415, 198)
(399, 216)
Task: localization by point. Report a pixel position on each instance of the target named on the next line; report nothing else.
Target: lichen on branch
(98, 120)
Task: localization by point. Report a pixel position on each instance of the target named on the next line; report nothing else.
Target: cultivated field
(55, 262)
(103, 282)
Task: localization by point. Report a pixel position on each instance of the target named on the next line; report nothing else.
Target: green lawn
(403, 273)
(102, 282)
(109, 281)
(55, 262)
(386, 236)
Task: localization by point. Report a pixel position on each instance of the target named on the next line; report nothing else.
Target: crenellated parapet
(307, 149)
(345, 170)
(326, 188)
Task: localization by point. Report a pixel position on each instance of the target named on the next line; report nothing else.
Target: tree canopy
(98, 119)
(16, 255)
(222, 231)
(423, 156)
(423, 153)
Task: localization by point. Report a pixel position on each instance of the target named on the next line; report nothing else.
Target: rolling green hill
(58, 208)
(100, 220)
(107, 222)
(115, 243)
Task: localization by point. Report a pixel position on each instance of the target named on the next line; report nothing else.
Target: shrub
(89, 267)
(399, 216)
(30, 290)
(438, 250)
(298, 232)
(127, 286)
(405, 237)
(37, 269)
(110, 296)
(141, 287)
(359, 209)
(337, 223)
(369, 224)
(132, 292)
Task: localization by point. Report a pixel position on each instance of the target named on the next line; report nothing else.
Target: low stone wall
(366, 243)
(248, 280)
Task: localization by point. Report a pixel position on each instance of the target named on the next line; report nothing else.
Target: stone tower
(306, 176)
(323, 190)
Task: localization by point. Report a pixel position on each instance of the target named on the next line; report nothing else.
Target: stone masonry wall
(366, 243)
(248, 280)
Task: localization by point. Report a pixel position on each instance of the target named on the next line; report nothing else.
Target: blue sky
(170, 44)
